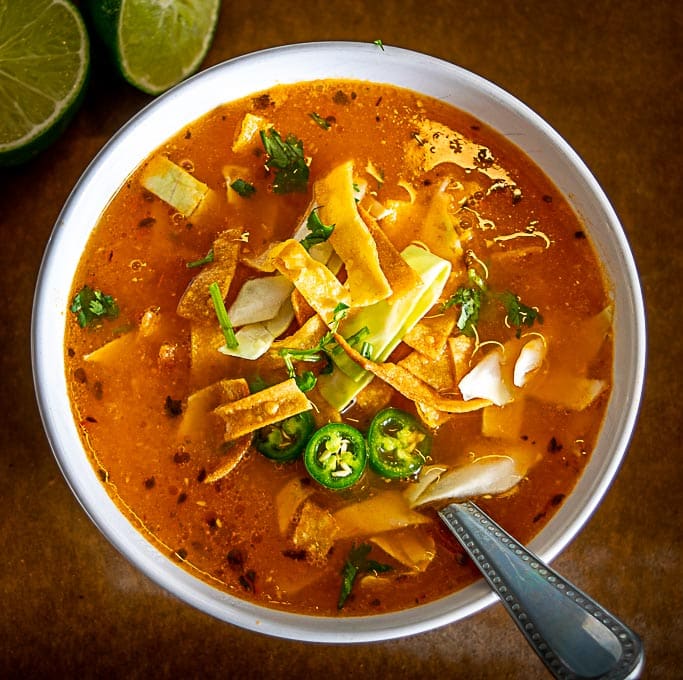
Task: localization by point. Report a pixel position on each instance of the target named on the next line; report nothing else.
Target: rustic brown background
(607, 75)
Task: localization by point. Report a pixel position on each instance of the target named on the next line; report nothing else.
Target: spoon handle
(572, 634)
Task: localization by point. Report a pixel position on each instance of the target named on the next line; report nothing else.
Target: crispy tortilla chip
(302, 310)
(437, 372)
(401, 276)
(262, 408)
(234, 454)
(435, 143)
(197, 421)
(195, 303)
(200, 404)
(315, 532)
(430, 334)
(460, 348)
(385, 511)
(411, 546)
(431, 417)
(288, 501)
(351, 239)
(319, 286)
(206, 360)
(411, 386)
(374, 397)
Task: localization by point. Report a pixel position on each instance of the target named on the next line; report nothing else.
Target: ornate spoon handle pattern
(573, 635)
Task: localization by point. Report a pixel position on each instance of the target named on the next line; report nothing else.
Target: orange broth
(129, 405)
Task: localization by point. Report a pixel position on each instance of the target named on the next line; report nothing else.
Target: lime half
(156, 43)
(44, 58)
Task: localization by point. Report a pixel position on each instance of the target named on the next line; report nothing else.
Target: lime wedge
(156, 44)
(44, 59)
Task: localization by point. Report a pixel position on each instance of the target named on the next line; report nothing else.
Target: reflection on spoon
(573, 635)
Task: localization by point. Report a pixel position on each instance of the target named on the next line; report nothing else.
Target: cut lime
(44, 58)
(156, 43)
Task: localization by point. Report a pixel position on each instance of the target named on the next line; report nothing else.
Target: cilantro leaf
(519, 314)
(470, 301)
(319, 232)
(357, 562)
(322, 122)
(243, 188)
(90, 305)
(287, 157)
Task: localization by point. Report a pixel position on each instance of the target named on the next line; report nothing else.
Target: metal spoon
(572, 634)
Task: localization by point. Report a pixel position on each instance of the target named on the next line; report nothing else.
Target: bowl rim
(148, 126)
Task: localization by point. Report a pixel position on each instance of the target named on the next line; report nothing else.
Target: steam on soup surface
(316, 314)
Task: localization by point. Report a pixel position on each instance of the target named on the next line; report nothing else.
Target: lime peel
(44, 64)
(154, 44)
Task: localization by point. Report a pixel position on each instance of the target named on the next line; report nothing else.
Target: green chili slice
(286, 439)
(398, 444)
(335, 456)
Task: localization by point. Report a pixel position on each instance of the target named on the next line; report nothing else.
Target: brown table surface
(607, 75)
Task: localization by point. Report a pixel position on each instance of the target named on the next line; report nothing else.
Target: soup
(318, 314)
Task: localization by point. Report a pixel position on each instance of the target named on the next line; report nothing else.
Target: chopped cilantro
(357, 562)
(472, 298)
(207, 259)
(319, 232)
(322, 122)
(519, 314)
(90, 305)
(379, 44)
(243, 188)
(287, 158)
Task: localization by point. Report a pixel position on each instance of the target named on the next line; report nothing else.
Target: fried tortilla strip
(435, 372)
(315, 532)
(351, 238)
(234, 455)
(319, 286)
(401, 276)
(262, 408)
(410, 386)
(430, 334)
(200, 406)
(460, 348)
(195, 303)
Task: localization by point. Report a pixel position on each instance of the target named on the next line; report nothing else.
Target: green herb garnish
(357, 562)
(518, 314)
(472, 298)
(243, 188)
(207, 259)
(287, 158)
(320, 352)
(319, 232)
(320, 120)
(222, 315)
(379, 44)
(90, 305)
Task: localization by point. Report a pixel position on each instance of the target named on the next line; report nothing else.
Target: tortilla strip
(401, 276)
(435, 372)
(235, 454)
(200, 403)
(410, 386)
(195, 303)
(430, 334)
(319, 286)
(460, 348)
(262, 408)
(351, 238)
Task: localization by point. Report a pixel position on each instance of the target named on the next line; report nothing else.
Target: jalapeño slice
(286, 439)
(335, 455)
(398, 444)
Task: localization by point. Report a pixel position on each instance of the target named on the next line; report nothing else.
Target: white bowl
(238, 78)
